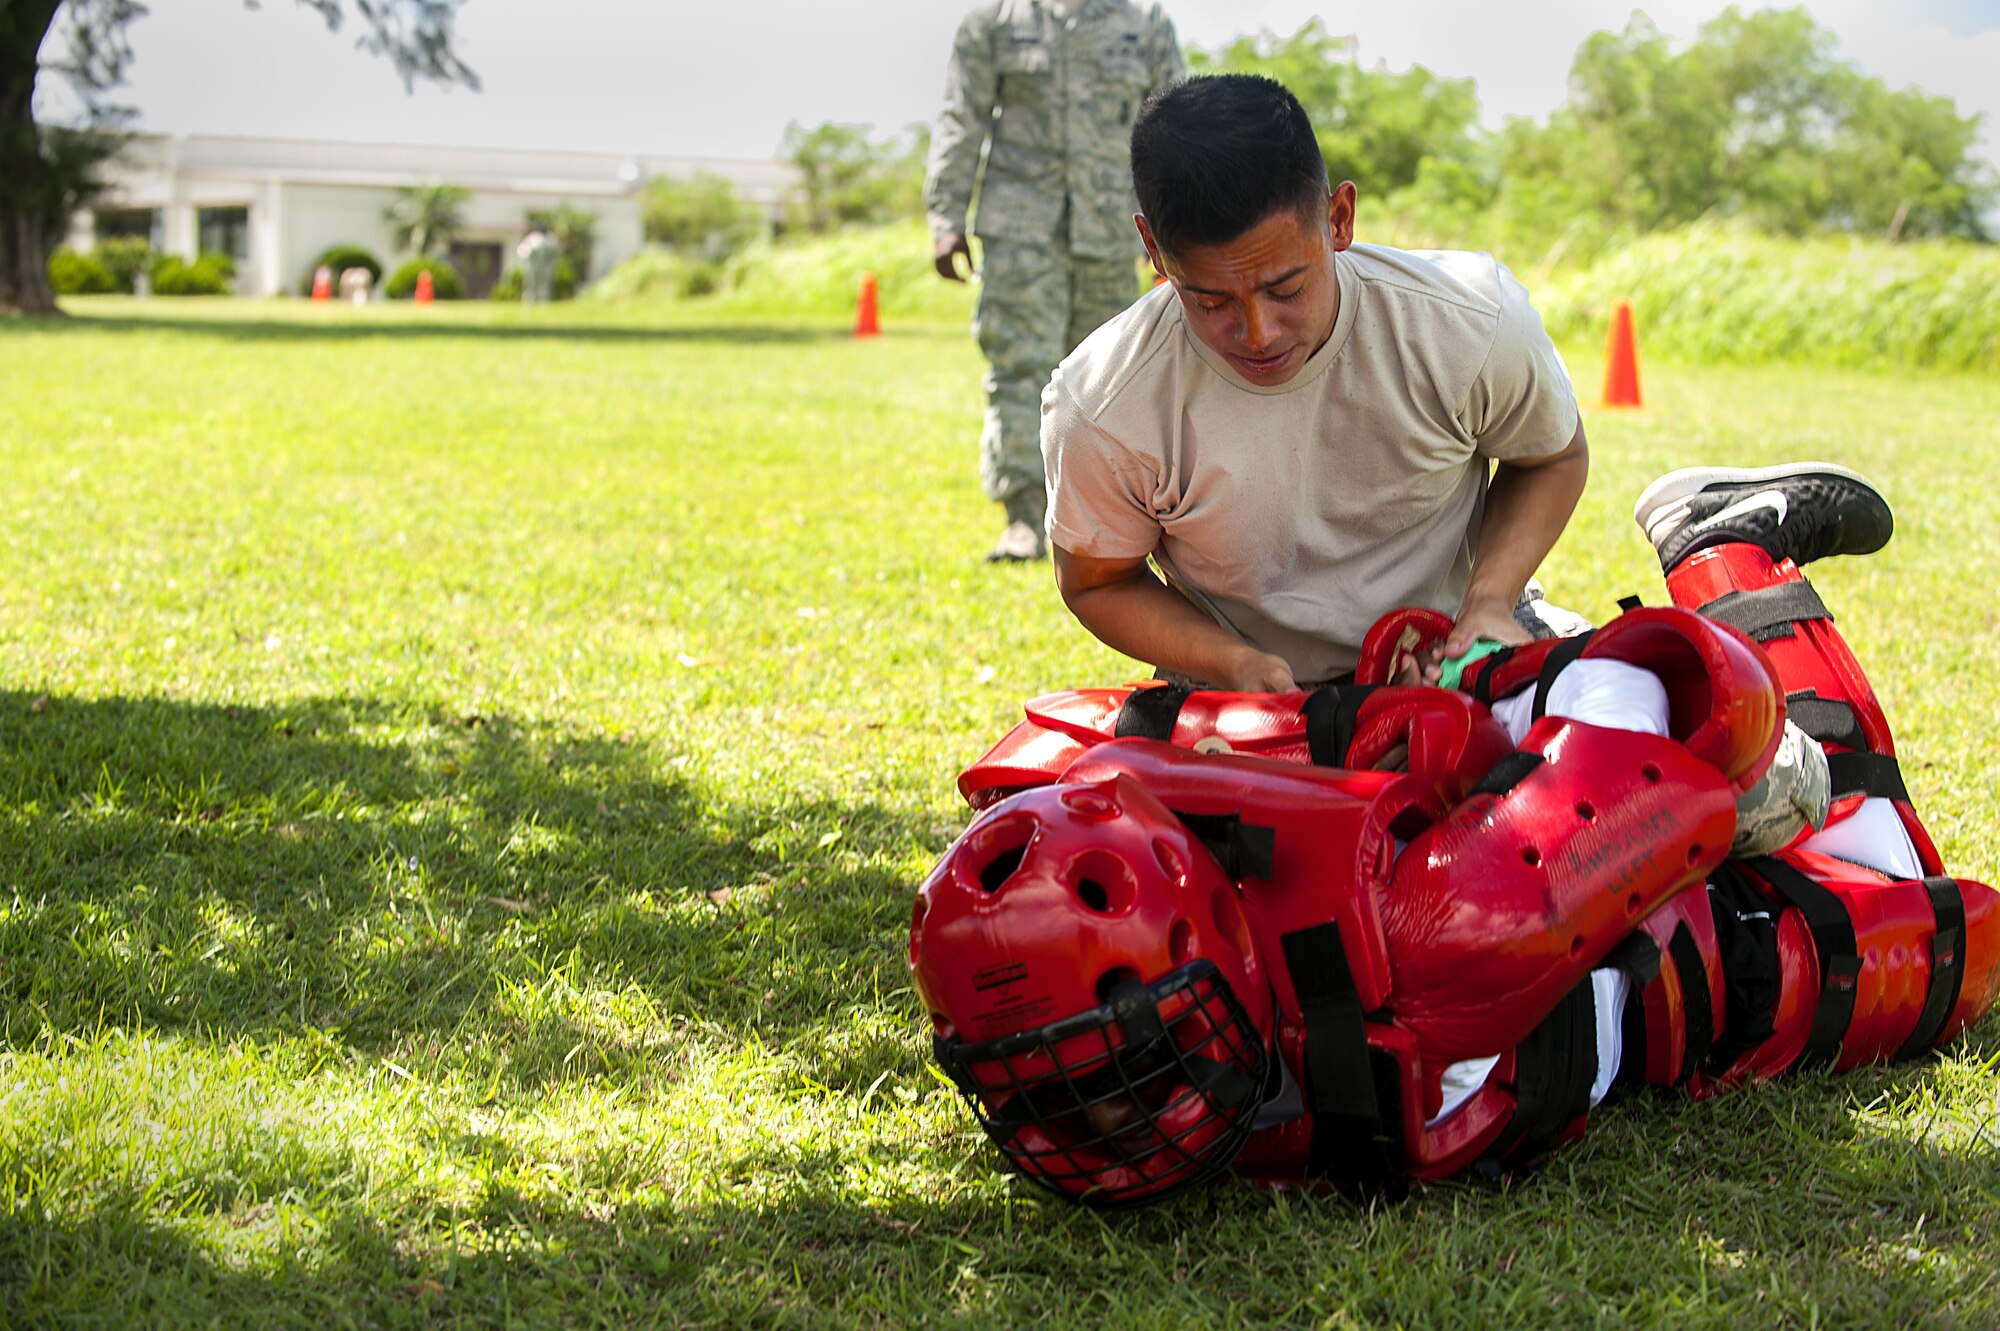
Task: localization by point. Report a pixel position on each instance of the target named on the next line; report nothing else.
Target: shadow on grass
(1675, 1227)
(440, 325)
(516, 901)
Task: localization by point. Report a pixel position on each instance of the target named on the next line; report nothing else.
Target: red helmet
(1094, 992)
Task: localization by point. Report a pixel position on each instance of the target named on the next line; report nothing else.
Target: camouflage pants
(1036, 302)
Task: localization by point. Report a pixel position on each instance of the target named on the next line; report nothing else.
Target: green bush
(126, 257)
(340, 258)
(445, 281)
(74, 274)
(209, 275)
(509, 285)
(657, 273)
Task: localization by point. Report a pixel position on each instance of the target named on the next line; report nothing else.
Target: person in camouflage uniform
(1047, 91)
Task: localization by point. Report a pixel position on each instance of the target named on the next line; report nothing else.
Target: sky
(707, 79)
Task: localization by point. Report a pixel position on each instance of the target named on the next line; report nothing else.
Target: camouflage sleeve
(970, 89)
(1168, 66)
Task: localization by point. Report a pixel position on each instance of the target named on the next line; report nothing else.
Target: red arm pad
(1451, 740)
(1724, 701)
(1026, 756)
(1492, 915)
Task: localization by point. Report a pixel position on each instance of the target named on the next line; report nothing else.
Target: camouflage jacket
(1056, 98)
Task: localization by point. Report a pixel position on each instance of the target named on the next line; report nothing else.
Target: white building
(277, 204)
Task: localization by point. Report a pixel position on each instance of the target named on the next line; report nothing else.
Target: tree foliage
(1378, 128)
(424, 219)
(700, 215)
(1756, 119)
(846, 174)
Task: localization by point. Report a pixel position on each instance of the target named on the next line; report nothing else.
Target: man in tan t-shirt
(1297, 430)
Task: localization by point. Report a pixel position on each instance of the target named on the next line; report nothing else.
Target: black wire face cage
(1140, 1099)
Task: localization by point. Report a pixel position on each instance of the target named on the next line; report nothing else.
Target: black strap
(1828, 720)
(1330, 712)
(1638, 957)
(1866, 774)
(1485, 672)
(1553, 1071)
(1746, 945)
(1558, 660)
(1245, 850)
(1697, 1007)
(1769, 613)
(1506, 774)
(1351, 1137)
(1151, 713)
(1630, 602)
(1947, 966)
(1839, 958)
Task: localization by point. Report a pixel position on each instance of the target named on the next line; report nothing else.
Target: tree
(1757, 119)
(702, 215)
(1376, 128)
(47, 172)
(851, 176)
(425, 218)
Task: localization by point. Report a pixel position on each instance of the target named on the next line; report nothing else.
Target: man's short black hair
(1212, 157)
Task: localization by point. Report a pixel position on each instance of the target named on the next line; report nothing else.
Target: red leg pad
(1813, 657)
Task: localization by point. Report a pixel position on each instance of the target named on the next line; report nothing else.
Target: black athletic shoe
(1801, 511)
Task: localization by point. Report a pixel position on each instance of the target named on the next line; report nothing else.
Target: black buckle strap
(1866, 774)
(1828, 720)
(1770, 612)
(1331, 712)
(1245, 850)
(1554, 1068)
(1746, 944)
(1697, 1005)
(1506, 774)
(1947, 966)
(1558, 660)
(1353, 1132)
(1151, 713)
(1839, 958)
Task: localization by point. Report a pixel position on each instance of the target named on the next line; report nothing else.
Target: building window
(224, 231)
(128, 223)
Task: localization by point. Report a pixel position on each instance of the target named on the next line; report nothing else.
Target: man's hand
(1476, 619)
(950, 246)
(1259, 672)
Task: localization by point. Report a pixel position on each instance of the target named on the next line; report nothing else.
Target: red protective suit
(1387, 925)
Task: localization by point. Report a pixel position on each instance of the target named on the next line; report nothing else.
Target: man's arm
(1130, 610)
(1527, 507)
(971, 86)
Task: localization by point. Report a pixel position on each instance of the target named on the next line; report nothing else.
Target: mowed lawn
(463, 778)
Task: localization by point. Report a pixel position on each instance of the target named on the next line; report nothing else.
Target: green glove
(1454, 669)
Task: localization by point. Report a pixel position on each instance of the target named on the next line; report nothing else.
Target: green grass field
(464, 773)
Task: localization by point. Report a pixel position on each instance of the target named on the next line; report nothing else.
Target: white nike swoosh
(1774, 499)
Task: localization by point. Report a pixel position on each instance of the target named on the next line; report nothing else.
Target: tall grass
(1706, 294)
(1711, 294)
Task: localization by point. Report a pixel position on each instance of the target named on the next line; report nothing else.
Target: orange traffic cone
(1621, 361)
(322, 283)
(426, 288)
(866, 321)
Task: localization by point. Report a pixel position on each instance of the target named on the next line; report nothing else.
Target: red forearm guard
(1495, 913)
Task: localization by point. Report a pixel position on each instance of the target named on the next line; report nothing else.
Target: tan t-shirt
(1297, 515)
